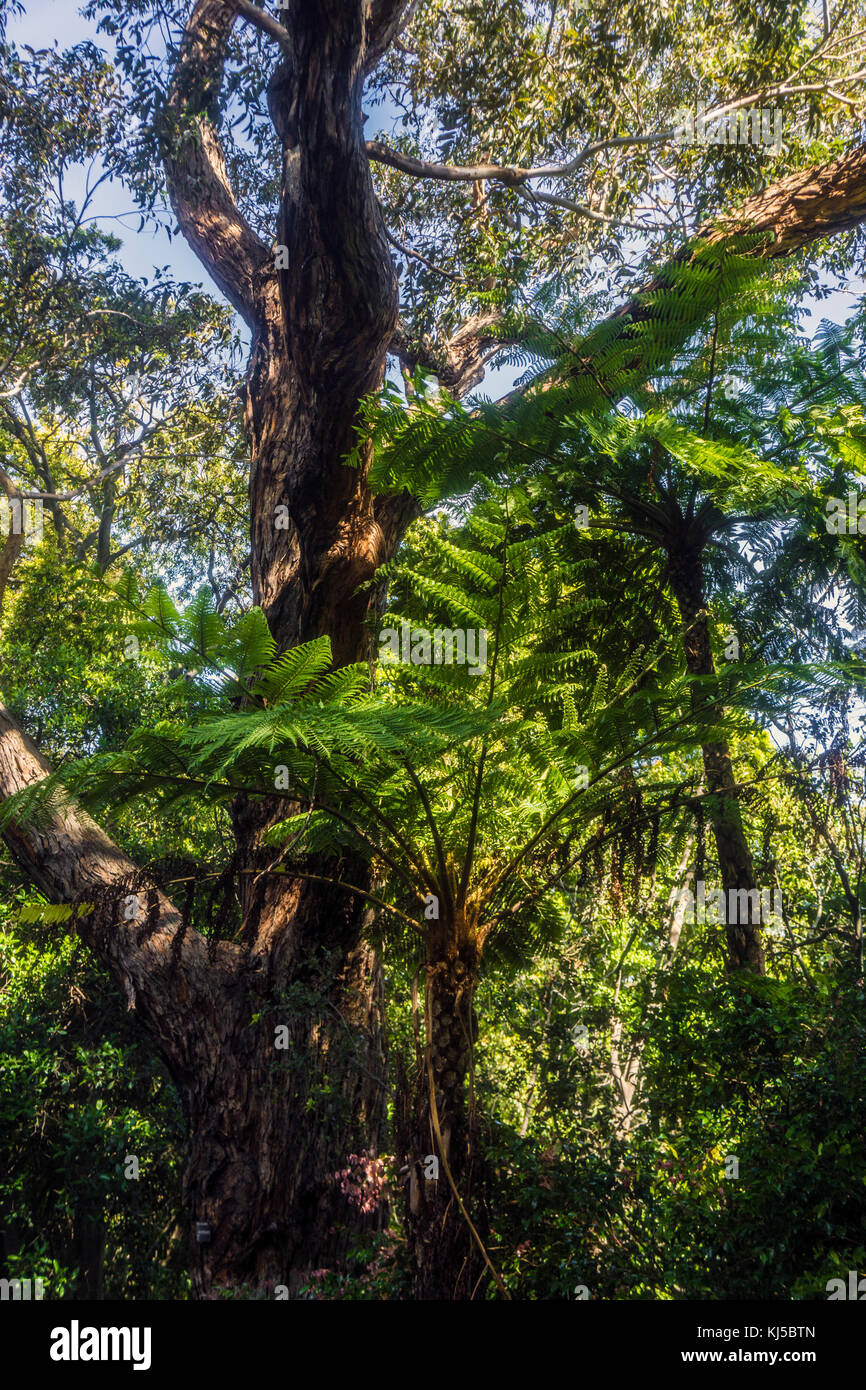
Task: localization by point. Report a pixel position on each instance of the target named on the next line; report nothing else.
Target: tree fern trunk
(438, 1131)
(735, 858)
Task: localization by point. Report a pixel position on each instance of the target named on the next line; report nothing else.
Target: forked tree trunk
(271, 1129)
(745, 950)
(322, 311)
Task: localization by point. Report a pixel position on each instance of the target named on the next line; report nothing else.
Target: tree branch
(460, 363)
(824, 200)
(514, 176)
(385, 20)
(449, 173)
(199, 188)
(260, 19)
(70, 858)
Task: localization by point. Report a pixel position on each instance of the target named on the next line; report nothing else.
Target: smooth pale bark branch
(554, 200)
(201, 196)
(800, 208)
(511, 175)
(69, 857)
(14, 542)
(448, 173)
(514, 176)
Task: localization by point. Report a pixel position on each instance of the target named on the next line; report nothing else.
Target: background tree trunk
(89, 1250)
(735, 858)
(625, 1067)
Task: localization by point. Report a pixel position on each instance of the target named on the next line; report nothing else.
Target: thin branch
(353, 889)
(416, 255)
(260, 19)
(533, 195)
(196, 171)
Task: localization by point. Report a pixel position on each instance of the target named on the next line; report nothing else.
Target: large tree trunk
(735, 859)
(271, 1130)
(291, 1085)
(321, 325)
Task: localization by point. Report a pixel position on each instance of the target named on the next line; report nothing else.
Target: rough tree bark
(822, 201)
(320, 331)
(269, 1131)
(264, 1141)
(321, 325)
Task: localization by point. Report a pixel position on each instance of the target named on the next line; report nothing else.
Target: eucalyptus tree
(257, 120)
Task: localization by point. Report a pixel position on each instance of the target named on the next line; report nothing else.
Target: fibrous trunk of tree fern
(438, 1133)
(745, 949)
